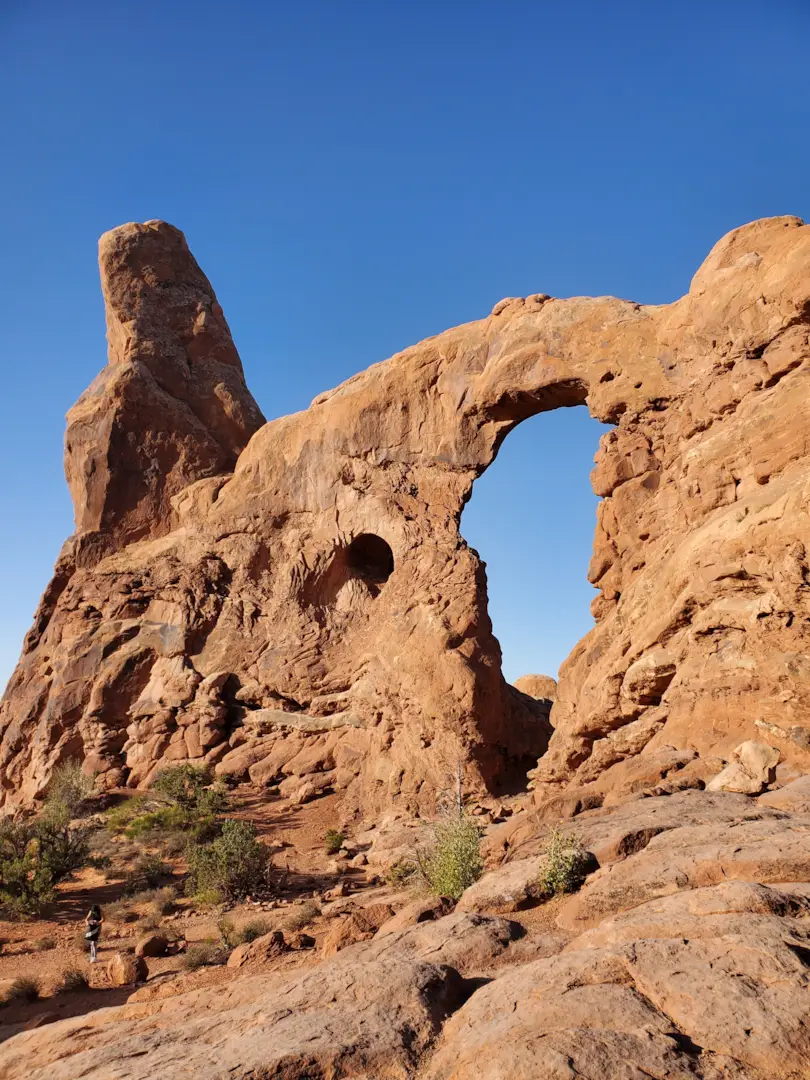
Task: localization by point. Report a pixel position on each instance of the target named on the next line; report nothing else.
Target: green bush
(147, 872)
(206, 954)
(191, 788)
(72, 979)
(24, 988)
(35, 855)
(183, 807)
(118, 818)
(255, 929)
(235, 864)
(452, 861)
(400, 873)
(564, 866)
(333, 841)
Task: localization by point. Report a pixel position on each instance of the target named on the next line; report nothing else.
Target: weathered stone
(702, 1003)
(735, 778)
(512, 887)
(764, 850)
(152, 945)
(125, 969)
(425, 909)
(373, 1010)
(361, 924)
(261, 950)
(758, 759)
(794, 796)
(537, 686)
(326, 578)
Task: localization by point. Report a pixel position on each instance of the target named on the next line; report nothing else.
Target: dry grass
(302, 916)
(24, 988)
(71, 980)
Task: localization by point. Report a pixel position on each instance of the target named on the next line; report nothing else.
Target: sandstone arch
(699, 555)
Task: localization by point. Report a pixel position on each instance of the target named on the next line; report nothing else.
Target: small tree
(234, 865)
(452, 860)
(35, 855)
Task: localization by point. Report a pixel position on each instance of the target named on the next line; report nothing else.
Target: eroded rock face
(316, 620)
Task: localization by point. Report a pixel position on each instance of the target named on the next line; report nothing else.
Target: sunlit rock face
(292, 601)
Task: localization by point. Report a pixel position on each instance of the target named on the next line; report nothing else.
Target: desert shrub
(302, 916)
(24, 988)
(191, 788)
(205, 954)
(182, 808)
(120, 912)
(45, 944)
(118, 818)
(564, 865)
(72, 979)
(70, 787)
(146, 872)
(158, 901)
(400, 872)
(256, 928)
(333, 841)
(228, 935)
(204, 898)
(235, 864)
(151, 921)
(452, 861)
(35, 855)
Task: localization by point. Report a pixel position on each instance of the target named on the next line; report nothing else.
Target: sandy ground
(303, 871)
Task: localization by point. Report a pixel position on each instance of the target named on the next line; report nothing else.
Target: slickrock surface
(674, 961)
(315, 620)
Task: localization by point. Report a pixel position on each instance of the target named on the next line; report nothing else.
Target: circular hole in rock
(370, 557)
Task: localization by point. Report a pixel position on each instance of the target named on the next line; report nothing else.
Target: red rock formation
(317, 621)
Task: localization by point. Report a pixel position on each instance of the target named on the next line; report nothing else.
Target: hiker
(93, 923)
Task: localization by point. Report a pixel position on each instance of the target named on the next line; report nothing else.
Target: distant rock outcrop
(314, 619)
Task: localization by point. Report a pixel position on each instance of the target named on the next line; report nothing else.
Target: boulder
(758, 759)
(542, 687)
(264, 949)
(735, 777)
(512, 887)
(425, 909)
(361, 924)
(125, 969)
(152, 945)
(706, 1004)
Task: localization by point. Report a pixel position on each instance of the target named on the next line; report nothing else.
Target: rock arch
(699, 555)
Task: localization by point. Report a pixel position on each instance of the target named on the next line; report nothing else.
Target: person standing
(93, 923)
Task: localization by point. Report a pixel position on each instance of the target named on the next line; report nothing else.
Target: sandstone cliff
(315, 619)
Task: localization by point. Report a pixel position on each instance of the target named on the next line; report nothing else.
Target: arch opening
(370, 557)
(531, 518)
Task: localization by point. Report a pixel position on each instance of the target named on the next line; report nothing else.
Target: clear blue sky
(356, 176)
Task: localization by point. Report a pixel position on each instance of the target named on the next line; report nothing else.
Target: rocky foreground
(685, 954)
